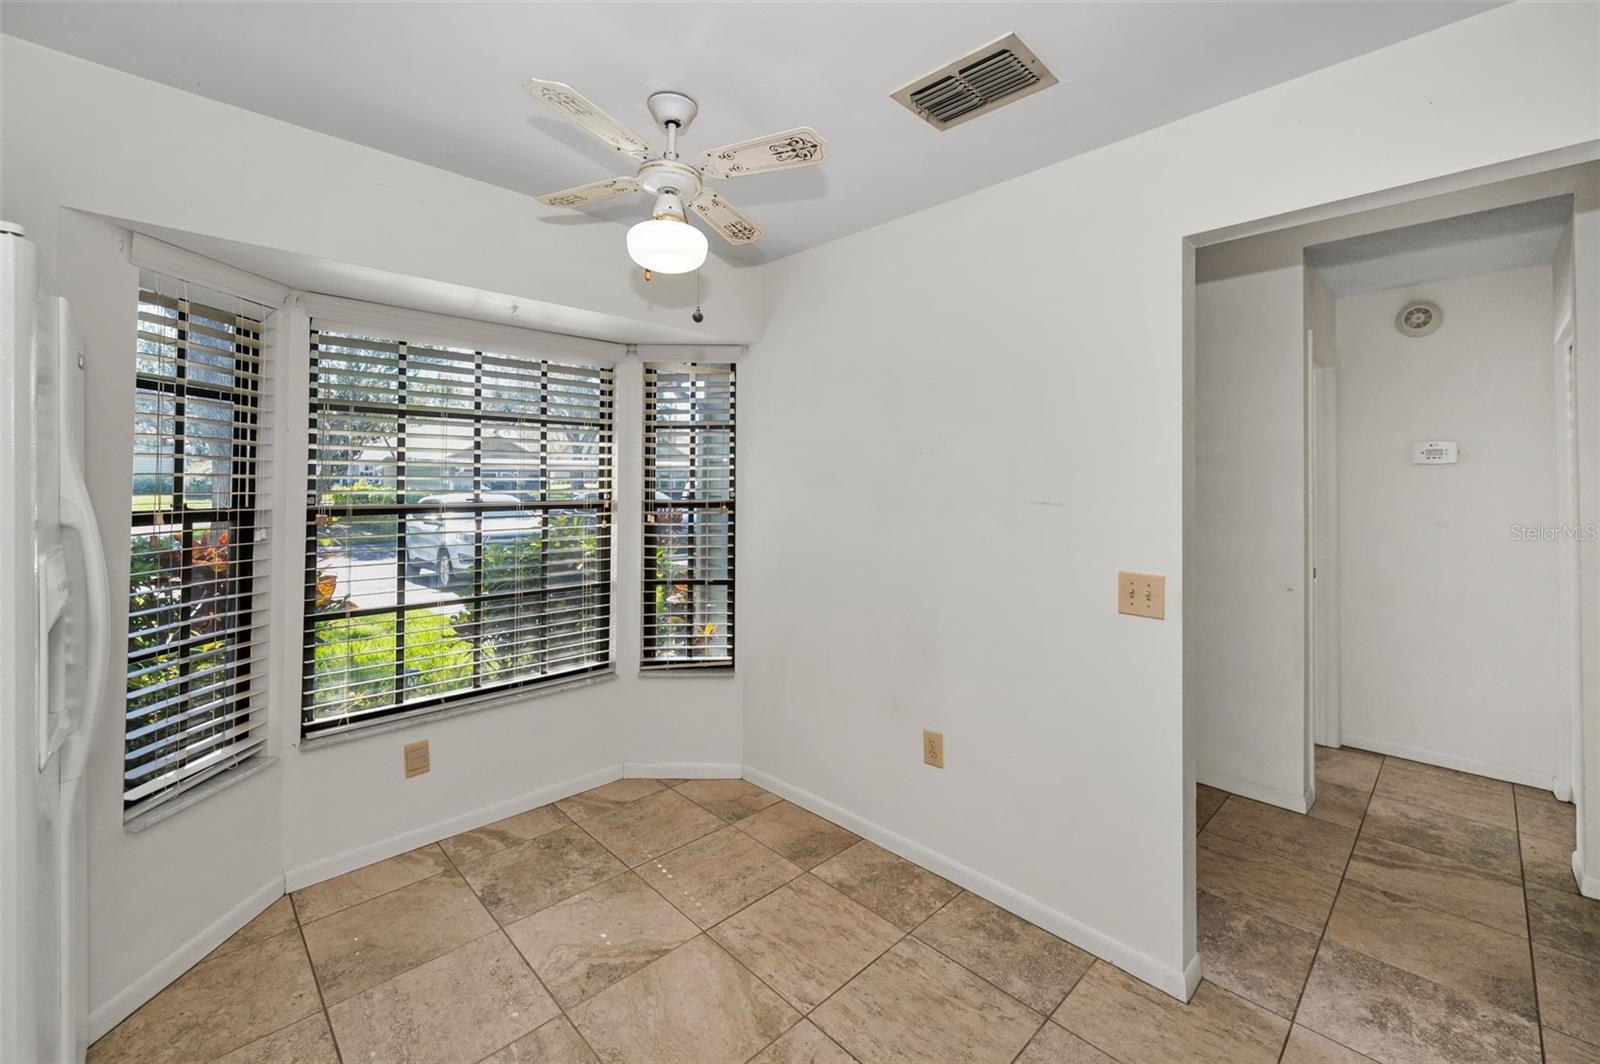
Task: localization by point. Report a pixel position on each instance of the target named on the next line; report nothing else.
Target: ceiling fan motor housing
(669, 175)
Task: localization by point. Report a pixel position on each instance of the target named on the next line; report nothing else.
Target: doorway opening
(1386, 564)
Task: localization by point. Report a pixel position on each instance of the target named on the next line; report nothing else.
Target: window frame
(246, 673)
(546, 352)
(650, 663)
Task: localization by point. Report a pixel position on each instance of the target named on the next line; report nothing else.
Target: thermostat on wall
(1434, 452)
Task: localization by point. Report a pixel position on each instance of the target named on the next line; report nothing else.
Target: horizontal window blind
(688, 516)
(459, 531)
(197, 596)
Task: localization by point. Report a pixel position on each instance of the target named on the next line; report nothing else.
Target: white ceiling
(440, 82)
(1505, 238)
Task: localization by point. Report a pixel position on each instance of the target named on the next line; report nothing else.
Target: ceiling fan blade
(729, 222)
(801, 146)
(593, 192)
(575, 106)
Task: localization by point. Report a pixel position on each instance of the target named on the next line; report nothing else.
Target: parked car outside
(445, 542)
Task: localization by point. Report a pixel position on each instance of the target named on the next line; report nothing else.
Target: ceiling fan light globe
(666, 245)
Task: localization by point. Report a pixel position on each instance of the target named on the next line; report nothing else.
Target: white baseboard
(1545, 781)
(684, 770)
(1191, 976)
(1179, 983)
(337, 864)
(121, 1004)
(1588, 886)
(1294, 801)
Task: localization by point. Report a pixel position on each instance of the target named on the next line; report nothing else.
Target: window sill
(456, 709)
(149, 818)
(728, 671)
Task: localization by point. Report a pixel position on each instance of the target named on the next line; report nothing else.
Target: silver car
(444, 542)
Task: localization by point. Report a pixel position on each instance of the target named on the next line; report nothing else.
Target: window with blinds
(459, 531)
(688, 516)
(196, 692)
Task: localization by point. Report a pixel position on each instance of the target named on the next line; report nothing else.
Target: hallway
(1416, 914)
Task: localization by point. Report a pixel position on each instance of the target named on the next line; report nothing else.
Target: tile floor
(1415, 915)
(708, 920)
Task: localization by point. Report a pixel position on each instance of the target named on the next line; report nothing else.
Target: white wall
(1245, 561)
(77, 140)
(1450, 621)
(1003, 379)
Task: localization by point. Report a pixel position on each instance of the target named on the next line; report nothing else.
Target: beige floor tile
(456, 1008)
(353, 888)
(1560, 1049)
(582, 945)
(217, 1006)
(1261, 959)
(1548, 862)
(272, 921)
(801, 836)
(1566, 922)
(803, 1044)
(1207, 800)
(1470, 957)
(306, 1042)
(1339, 804)
(557, 1042)
(729, 799)
(480, 842)
(693, 1006)
(1569, 993)
(805, 940)
(1448, 791)
(1292, 893)
(1306, 1046)
(715, 876)
(1024, 960)
(903, 893)
(1395, 1016)
(375, 941)
(1444, 883)
(1302, 839)
(1348, 767)
(657, 824)
(520, 880)
(1485, 846)
(1538, 813)
(1133, 1021)
(607, 798)
(912, 1004)
(1055, 1044)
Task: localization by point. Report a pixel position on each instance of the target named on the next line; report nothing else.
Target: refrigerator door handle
(50, 674)
(77, 513)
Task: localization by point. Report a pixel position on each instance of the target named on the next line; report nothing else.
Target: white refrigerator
(53, 656)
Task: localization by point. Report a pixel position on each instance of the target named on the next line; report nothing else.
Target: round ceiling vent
(1418, 319)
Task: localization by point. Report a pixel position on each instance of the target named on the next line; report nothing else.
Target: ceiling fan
(666, 243)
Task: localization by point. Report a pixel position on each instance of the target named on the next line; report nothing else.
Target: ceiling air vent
(996, 74)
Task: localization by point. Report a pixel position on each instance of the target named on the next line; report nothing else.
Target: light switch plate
(933, 748)
(1142, 595)
(417, 761)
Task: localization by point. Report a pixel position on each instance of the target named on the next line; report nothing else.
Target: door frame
(1569, 741)
(1322, 550)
